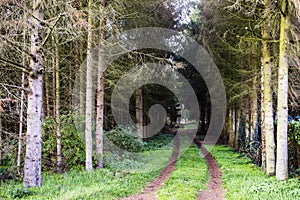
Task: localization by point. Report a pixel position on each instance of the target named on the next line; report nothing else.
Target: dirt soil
(214, 189)
(149, 191)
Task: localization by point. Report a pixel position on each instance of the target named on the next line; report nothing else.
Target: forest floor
(188, 175)
(149, 192)
(214, 189)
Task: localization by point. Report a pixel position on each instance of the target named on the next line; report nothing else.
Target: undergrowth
(121, 177)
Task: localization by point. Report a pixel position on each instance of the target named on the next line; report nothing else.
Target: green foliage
(243, 180)
(294, 131)
(125, 138)
(6, 173)
(158, 141)
(294, 147)
(73, 150)
(122, 161)
(19, 193)
(144, 157)
(189, 177)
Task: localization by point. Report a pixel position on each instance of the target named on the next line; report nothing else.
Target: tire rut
(214, 189)
(149, 191)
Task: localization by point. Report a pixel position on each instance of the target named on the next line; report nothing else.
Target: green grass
(242, 180)
(100, 184)
(127, 176)
(190, 126)
(189, 177)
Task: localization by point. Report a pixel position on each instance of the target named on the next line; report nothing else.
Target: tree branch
(257, 39)
(14, 64)
(50, 31)
(15, 86)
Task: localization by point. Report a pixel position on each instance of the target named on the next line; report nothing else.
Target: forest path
(149, 192)
(214, 189)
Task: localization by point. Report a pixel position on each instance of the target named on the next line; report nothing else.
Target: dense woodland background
(255, 45)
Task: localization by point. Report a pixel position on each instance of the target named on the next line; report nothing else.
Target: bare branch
(14, 64)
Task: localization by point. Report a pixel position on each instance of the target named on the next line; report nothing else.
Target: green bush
(294, 146)
(158, 141)
(6, 173)
(19, 193)
(73, 150)
(125, 138)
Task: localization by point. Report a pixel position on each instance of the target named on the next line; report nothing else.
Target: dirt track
(148, 192)
(214, 189)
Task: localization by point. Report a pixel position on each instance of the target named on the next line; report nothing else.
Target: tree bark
(57, 105)
(82, 91)
(282, 99)
(254, 115)
(233, 125)
(47, 92)
(89, 95)
(20, 139)
(100, 95)
(247, 113)
(202, 116)
(268, 104)
(230, 128)
(139, 113)
(237, 126)
(32, 167)
(0, 137)
(262, 122)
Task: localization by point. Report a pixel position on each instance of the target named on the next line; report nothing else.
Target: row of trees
(257, 53)
(45, 43)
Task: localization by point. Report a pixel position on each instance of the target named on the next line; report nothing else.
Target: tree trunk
(233, 125)
(282, 99)
(0, 137)
(47, 92)
(32, 167)
(262, 122)
(139, 112)
(230, 128)
(69, 107)
(237, 126)
(89, 95)
(247, 113)
(57, 105)
(254, 115)
(82, 86)
(202, 116)
(100, 117)
(20, 139)
(268, 104)
(100, 96)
